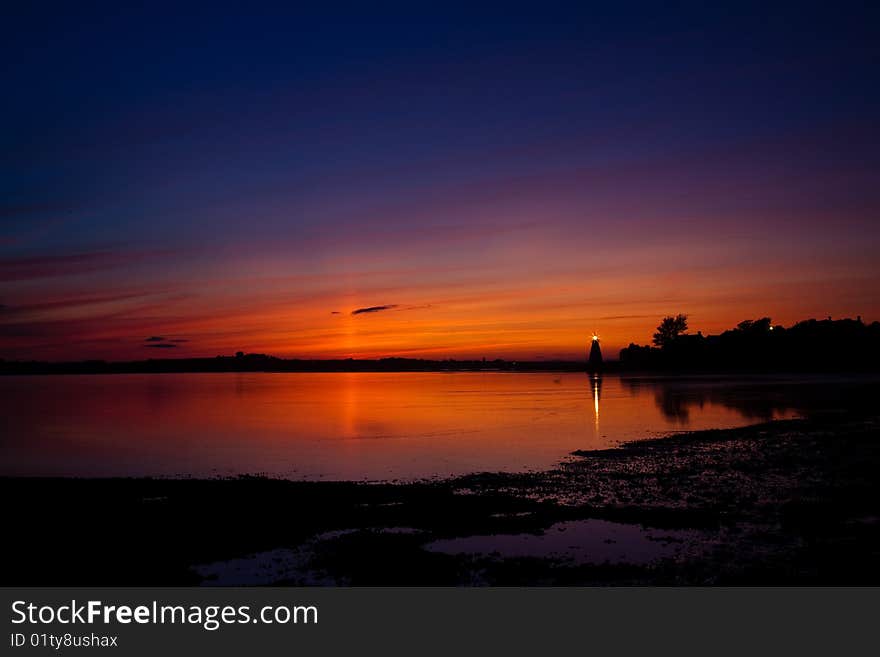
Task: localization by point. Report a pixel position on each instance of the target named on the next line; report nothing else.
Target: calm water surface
(354, 426)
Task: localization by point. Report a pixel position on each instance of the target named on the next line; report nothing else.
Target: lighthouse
(595, 362)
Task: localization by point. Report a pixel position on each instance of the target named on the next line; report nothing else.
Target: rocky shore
(786, 502)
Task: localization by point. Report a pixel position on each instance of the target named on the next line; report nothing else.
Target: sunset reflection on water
(372, 426)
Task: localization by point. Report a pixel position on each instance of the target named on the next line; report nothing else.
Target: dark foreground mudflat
(790, 502)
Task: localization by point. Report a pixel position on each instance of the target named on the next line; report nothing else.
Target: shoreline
(787, 501)
(519, 368)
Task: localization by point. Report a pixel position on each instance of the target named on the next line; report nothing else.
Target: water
(578, 541)
(374, 426)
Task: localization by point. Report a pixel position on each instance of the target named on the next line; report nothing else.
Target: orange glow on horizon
(373, 308)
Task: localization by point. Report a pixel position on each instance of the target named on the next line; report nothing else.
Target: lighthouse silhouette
(595, 362)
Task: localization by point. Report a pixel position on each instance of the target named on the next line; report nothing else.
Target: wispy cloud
(161, 342)
(373, 309)
(70, 303)
(614, 317)
(47, 266)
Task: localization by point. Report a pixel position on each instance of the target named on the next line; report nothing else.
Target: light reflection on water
(353, 426)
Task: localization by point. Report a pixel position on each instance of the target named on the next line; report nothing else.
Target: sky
(430, 180)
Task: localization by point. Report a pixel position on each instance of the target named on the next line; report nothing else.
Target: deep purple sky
(500, 182)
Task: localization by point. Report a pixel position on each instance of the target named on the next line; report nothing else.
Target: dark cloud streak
(373, 309)
(162, 342)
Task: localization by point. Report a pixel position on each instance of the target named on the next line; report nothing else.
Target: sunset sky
(483, 182)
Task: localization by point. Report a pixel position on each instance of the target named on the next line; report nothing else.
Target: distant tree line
(759, 345)
(754, 345)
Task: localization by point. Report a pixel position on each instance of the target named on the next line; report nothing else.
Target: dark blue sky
(284, 143)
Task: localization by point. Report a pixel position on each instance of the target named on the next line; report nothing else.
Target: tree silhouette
(669, 329)
(757, 326)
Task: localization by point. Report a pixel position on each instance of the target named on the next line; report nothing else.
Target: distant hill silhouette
(242, 362)
(758, 345)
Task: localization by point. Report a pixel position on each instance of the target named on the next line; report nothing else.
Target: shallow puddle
(581, 541)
